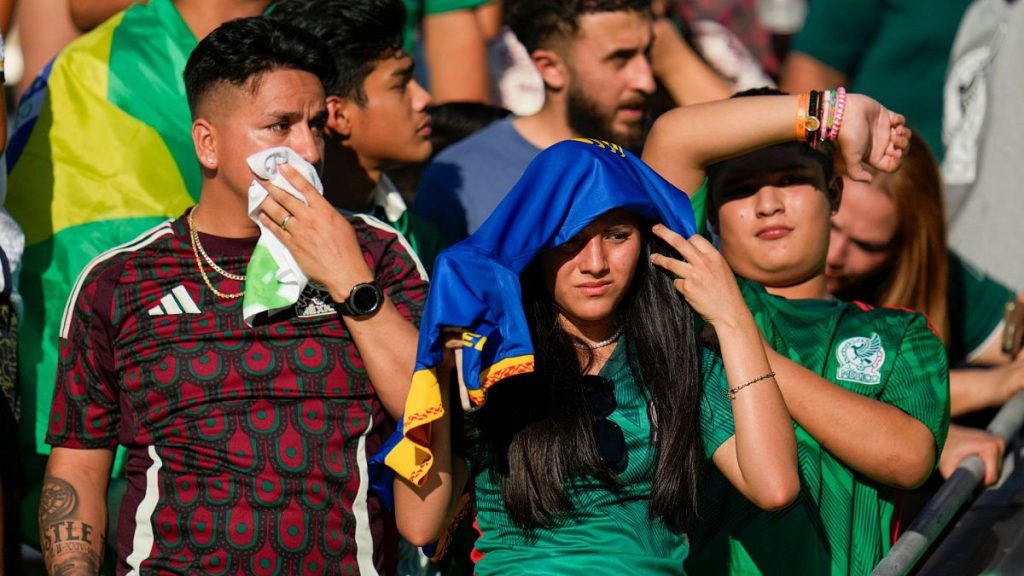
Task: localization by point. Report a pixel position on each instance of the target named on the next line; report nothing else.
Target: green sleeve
(442, 6)
(413, 13)
(699, 202)
(975, 303)
(838, 32)
(716, 424)
(919, 382)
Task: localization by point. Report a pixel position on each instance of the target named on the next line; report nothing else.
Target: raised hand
(703, 277)
(322, 241)
(871, 137)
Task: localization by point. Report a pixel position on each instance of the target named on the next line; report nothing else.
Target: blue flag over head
(476, 289)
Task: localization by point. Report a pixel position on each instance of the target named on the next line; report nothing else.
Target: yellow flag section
(87, 175)
(411, 458)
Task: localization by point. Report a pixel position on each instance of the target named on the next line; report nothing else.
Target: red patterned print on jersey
(247, 447)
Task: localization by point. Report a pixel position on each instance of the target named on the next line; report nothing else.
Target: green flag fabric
(101, 152)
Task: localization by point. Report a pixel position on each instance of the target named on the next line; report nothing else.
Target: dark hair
(717, 172)
(359, 34)
(453, 121)
(243, 50)
(537, 22)
(538, 429)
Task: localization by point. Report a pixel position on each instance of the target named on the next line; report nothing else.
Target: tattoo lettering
(68, 543)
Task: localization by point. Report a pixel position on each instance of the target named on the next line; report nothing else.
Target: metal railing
(959, 488)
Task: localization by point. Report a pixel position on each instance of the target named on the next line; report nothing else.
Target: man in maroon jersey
(247, 446)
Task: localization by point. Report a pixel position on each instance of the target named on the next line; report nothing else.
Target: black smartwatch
(363, 300)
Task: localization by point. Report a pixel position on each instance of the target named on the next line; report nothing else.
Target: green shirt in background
(608, 533)
(895, 51)
(699, 202)
(415, 10)
(841, 522)
(975, 302)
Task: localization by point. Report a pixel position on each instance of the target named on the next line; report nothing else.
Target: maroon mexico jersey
(247, 447)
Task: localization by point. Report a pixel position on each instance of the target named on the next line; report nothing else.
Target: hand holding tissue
(274, 279)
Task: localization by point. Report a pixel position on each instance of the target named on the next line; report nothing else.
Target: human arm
(978, 300)
(831, 44)
(802, 73)
(994, 376)
(73, 510)
(963, 442)
(760, 459)
(455, 46)
(88, 14)
(84, 425)
(684, 141)
(878, 438)
(972, 389)
(6, 14)
(421, 511)
(325, 246)
(683, 73)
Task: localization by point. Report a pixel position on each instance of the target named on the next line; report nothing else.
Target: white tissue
(274, 288)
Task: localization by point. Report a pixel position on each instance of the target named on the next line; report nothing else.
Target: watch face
(365, 298)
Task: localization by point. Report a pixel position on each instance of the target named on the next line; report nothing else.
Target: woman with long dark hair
(597, 406)
(595, 440)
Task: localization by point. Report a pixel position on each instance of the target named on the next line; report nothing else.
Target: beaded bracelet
(732, 391)
(827, 111)
(833, 132)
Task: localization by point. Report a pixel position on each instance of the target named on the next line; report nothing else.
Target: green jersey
(975, 302)
(415, 10)
(607, 533)
(841, 522)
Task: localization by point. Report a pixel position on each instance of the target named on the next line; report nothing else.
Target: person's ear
(339, 116)
(553, 69)
(835, 192)
(204, 138)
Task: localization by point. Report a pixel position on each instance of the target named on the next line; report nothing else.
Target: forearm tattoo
(70, 546)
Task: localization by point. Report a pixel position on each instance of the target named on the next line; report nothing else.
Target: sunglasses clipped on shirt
(611, 443)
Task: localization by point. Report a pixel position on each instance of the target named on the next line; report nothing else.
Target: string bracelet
(732, 391)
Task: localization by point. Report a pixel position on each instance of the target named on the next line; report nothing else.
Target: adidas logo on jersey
(176, 302)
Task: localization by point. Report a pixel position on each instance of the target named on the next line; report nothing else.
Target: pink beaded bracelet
(840, 108)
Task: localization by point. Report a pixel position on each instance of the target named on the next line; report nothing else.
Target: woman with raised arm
(598, 407)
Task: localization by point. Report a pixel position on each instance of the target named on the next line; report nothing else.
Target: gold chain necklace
(197, 249)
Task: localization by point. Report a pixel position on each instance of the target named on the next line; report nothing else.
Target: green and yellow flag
(102, 151)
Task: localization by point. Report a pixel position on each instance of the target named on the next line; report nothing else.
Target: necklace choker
(600, 344)
(197, 249)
